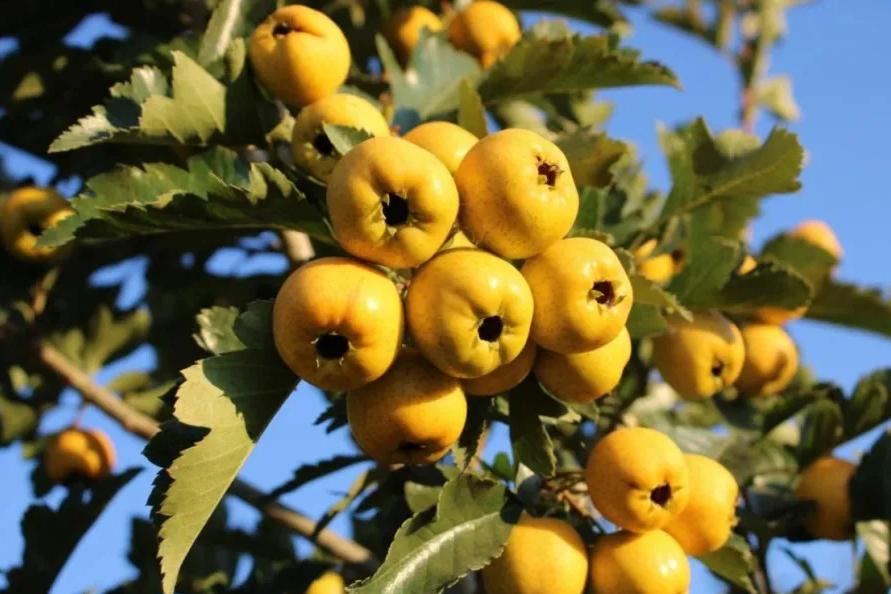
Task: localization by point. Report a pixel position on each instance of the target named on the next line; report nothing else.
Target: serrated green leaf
(104, 338)
(645, 320)
(344, 138)
(710, 262)
(733, 562)
(230, 19)
(769, 284)
(562, 62)
(51, 535)
(591, 155)
(216, 190)
(421, 497)
(701, 174)
(310, 472)
(17, 419)
(646, 292)
(216, 333)
(430, 84)
(869, 404)
(464, 451)
(471, 112)
(821, 430)
(225, 404)
(531, 443)
(852, 306)
(471, 523)
(810, 261)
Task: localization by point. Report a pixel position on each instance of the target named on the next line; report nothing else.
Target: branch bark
(146, 427)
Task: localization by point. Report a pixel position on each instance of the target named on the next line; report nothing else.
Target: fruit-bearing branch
(146, 427)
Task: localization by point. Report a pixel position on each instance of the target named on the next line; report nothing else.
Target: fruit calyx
(548, 172)
(604, 293)
(323, 144)
(490, 328)
(395, 209)
(661, 495)
(332, 346)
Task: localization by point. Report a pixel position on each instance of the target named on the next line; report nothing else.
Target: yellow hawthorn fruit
(79, 453)
(299, 54)
(391, 202)
(700, 357)
(455, 241)
(777, 316)
(486, 30)
(819, 234)
(411, 415)
(587, 376)
(505, 377)
(447, 141)
(469, 312)
(517, 193)
(705, 523)
(24, 215)
(649, 563)
(582, 295)
(748, 265)
(638, 478)
(312, 150)
(659, 268)
(328, 583)
(825, 482)
(771, 360)
(542, 556)
(338, 323)
(403, 29)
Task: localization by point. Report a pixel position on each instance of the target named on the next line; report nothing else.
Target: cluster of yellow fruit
(300, 55)
(24, 215)
(666, 504)
(78, 454)
(702, 356)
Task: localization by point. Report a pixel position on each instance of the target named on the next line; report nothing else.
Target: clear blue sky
(837, 57)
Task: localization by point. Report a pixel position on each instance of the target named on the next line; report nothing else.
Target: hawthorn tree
(178, 152)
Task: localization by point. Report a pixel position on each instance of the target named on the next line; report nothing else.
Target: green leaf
(869, 404)
(471, 112)
(810, 261)
(710, 262)
(554, 59)
(310, 472)
(852, 306)
(645, 320)
(769, 284)
(344, 138)
(873, 574)
(220, 412)
(701, 174)
(216, 333)
(216, 190)
(733, 562)
(230, 19)
(51, 535)
(870, 486)
(104, 338)
(591, 155)
(433, 549)
(430, 84)
(421, 497)
(775, 94)
(467, 447)
(531, 443)
(17, 419)
(646, 292)
(821, 430)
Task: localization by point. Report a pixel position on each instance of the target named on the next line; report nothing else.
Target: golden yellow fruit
(486, 30)
(403, 29)
(78, 453)
(447, 141)
(456, 240)
(659, 269)
(299, 54)
(700, 357)
(312, 150)
(505, 377)
(771, 360)
(582, 295)
(748, 265)
(584, 377)
(638, 478)
(542, 556)
(650, 563)
(24, 215)
(411, 415)
(328, 583)
(338, 323)
(819, 234)
(825, 482)
(391, 202)
(778, 316)
(469, 312)
(517, 193)
(706, 522)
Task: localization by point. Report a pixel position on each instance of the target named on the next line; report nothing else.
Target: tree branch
(144, 426)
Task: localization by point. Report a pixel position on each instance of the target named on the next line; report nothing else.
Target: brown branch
(144, 426)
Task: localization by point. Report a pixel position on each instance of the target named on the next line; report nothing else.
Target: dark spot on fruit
(323, 145)
(281, 29)
(491, 328)
(395, 210)
(607, 294)
(332, 346)
(660, 495)
(717, 368)
(548, 172)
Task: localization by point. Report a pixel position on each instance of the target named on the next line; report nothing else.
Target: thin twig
(144, 426)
